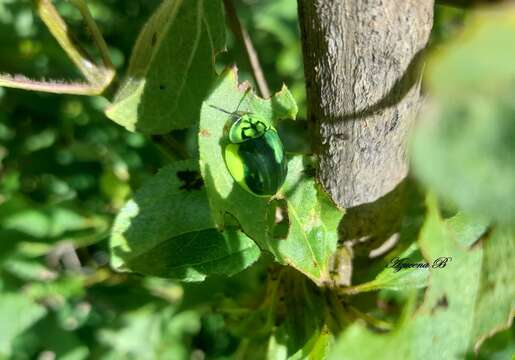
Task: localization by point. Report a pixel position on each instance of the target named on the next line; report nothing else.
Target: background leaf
(397, 278)
(171, 67)
(166, 230)
(454, 303)
(314, 218)
(157, 327)
(464, 147)
(18, 313)
(495, 305)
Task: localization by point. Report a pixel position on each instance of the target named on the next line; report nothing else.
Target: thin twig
(241, 33)
(98, 76)
(50, 86)
(95, 32)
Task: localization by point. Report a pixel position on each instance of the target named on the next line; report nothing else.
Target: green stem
(370, 320)
(95, 32)
(98, 76)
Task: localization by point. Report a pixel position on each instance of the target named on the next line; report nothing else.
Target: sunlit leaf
(458, 306)
(171, 67)
(18, 313)
(166, 230)
(312, 217)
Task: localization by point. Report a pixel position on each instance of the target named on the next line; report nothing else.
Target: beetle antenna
(237, 108)
(243, 98)
(222, 110)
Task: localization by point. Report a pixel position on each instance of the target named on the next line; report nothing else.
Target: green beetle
(254, 154)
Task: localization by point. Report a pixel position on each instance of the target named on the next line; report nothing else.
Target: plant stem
(98, 77)
(241, 33)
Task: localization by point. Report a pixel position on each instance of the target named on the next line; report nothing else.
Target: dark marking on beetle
(154, 39)
(441, 303)
(191, 180)
(162, 87)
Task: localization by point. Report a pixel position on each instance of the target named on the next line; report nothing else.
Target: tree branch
(362, 63)
(362, 67)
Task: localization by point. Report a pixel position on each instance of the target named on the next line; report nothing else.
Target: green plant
(195, 227)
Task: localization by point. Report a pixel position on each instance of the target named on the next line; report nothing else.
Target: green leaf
(499, 347)
(479, 59)
(291, 319)
(166, 230)
(42, 222)
(495, 305)
(463, 148)
(171, 68)
(469, 227)
(304, 312)
(65, 287)
(359, 343)
(459, 306)
(313, 218)
(450, 300)
(225, 196)
(18, 313)
(396, 278)
(313, 232)
(65, 344)
(167, 334)
(28, 270)
(389, 274)
(318, 347)
(195, 255)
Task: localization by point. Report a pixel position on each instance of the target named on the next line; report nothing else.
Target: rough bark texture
(362, 72)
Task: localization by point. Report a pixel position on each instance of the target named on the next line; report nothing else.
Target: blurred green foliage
(65, 171)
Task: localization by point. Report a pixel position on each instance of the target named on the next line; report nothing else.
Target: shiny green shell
(255, 155)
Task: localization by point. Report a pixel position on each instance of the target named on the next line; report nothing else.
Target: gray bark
(361, 60)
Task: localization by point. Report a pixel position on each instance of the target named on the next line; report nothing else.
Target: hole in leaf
(191, 180)
(281, 219)
(441, 303)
